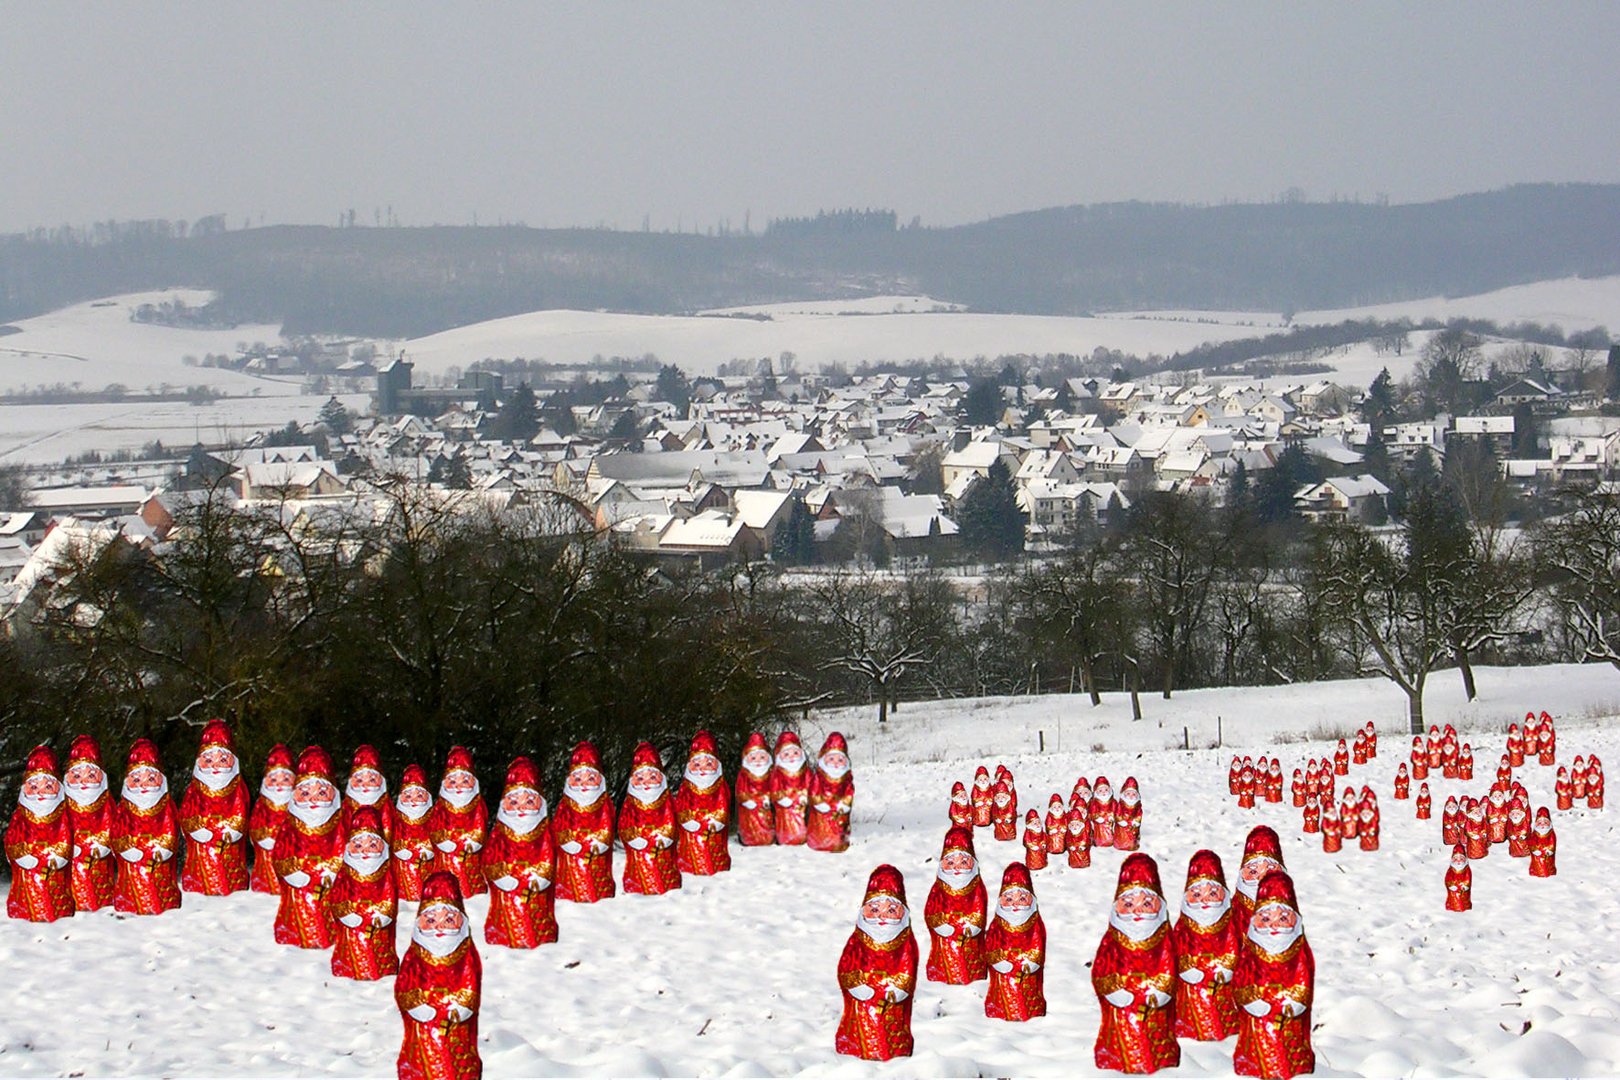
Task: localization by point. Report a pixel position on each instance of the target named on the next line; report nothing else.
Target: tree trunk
(1465, 666)
(1169, 677)
(1090, 680)
(1414, 708)
(883, 707)
(1136, 696)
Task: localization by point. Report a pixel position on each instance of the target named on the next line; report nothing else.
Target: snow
(734, 975)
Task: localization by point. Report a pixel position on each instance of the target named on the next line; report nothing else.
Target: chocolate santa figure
(961, 807)
(363, 903)
(460, 823)
(367, 786)
(1232, 774)
(1476, 834)
(1563, 790)
(756, 814)
(1057, 825)
(1547, 741)
(1425, 802)
(582, 826)
(1205, 941)
(1496, 815)
(1465, 763)
(1312, 818)
(412, 844)
(1128, 814)
(1274, 781)
(1274, 985)
(955, 913)
(308, 854)
(1459, 881)
(1341, 760)
(790, 789)
(1518, 827)
(1262, 854)
(1015, 949)
(1403, 782)
(1248, 783)
(90, 816)
(269, 811)
(39, 844)
(1081, 794)
(1432, 747)
(520, 864)
(1577, 777)
(1358, 750)
(1543, 846)
(1372, 740)
(214, 818)
(1515, 746)
(1349, 814)
(1332, 828)
(1368, 829)
(1594, 784)
(1134, 975)
(1003, 811)
(1296, 789)
(1102, 813)
(832, 797)
(1079, 827)
(877, 973)
(983, 796)
(1504, 771)
(1451, 826)
(145, 837)
(1034, 840)
(702, 811)
(647, 827)
(439, 987)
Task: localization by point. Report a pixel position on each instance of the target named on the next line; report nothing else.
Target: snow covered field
(734, 975)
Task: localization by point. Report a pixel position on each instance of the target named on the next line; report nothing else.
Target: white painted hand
(379, 919)
(945, 929)
(55, 861)
(202, 836)
(446, 846)
(1223, 974)
(403, 854)
(1192, 976)
(664, 841)
(297, 879)
(1030, 967)
(1157, 998)
(750, 804)
(598, 848)
(636, 842)
(1257, 1008)
(571, 846)
(474, 845)
(1292, 1007)
(27, 862)
(99, 851)
(162, 854)
(131, 854)
(351, 920)
(717, 826)
(421, 1013)
(505, 883)
(1119, 998)
(267, 844)
(823, 807)
(691, 826)
(1003, 966)
(862, 992)
(897, 994)
(539, 882)
(459, 1013)
(231, 835)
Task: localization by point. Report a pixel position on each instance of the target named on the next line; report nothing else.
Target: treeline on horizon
(407, 281)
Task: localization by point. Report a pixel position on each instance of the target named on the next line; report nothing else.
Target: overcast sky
(609, 114)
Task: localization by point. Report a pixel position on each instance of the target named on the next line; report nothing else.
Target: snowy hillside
(733, 975)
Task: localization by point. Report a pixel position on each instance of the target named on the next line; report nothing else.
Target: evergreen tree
(558, 413)
(982, 403)
(674, 387)
(626, 430)
(1611, 383)
(520, 416)
(1238, 492)
(1274, 494)
(991, 523)
(1376, 458)
(1378, 407)
(338, 420)
(452, 472)
(1524, 431)
(795, 541)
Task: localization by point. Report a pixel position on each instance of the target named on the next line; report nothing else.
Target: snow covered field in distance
(734, 975)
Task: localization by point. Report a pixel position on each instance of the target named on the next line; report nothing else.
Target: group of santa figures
(1232, 963)
(1093, 817)
(340, 864)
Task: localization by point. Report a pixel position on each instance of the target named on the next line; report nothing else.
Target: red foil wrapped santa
(756, 813)
(439, 989)
(214, 818)
(459, 822)
(1332, 832)
(582, 826)
(1034, 840)
(790, 789)
(1368, 828)
(1128, 813)
(145, 837)
(90, 816)
(960, 809)
(1459, 881)
(1543, 846)
(1425, 802)
(269, 811)
(1078, 847)
(39, 844)
(877, 974)
(983, 796)
(1134, 975)
(1262, 854)
(1003, 811)
(367, 786)
(414, 853)
(1547, 741)
(308, 854)
(1274, 985)
(647, 827)
(363, 903)
(1102, 813)
(702, 811)
(520, 864)
(1057, 825)
(1205, 943)
(955, 913)
(1015, 949)
(831, 796)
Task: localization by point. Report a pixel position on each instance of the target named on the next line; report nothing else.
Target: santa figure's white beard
(1104, 795)
(835, 772)
(793, 768)
(883, 933)
(1543, 828)
(314, 816)
(366, 865)
(440, 943)
(1461, 864)
(216, 780)
(1276, 940)
(521, 822)
(41, 805)
(958, 879)
(84, 796)
(1128, 799)
(145, 800)
(1139, 927)
(1015, 917)
(756, 768)
(413, 813)
(1205, 914)
(459, 799)
(369, 797)
(583, 797)
(703, 781)
(648, 796)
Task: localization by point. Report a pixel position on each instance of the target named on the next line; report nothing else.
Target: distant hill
(403, 282)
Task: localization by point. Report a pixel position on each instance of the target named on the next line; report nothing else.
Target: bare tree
(1580, 555)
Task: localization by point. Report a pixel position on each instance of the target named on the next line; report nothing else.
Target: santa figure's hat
(1017, 876)
(143, 753)
(217, 735)
(981, 773)
(1138, 871)
(85, 750)
(441, 887)
(1205, 865)
(314, 764)
(1276, 888)
(41, 762)
(755, 741)
(1032, 819)
(365, 757)
(1130, 786)
(366, 819)
(885, 881)
(522, 774)
(704, 743)
(646, 756)
(585, 756)
(786, 739)
(459, 757)
(834, 741)
(1263, 841)
(413, 776)
(279, 758)
(959, 792)
(958, 838)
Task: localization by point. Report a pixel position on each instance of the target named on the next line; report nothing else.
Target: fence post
(1042, 735)
(1186, 739)
(1220, 736)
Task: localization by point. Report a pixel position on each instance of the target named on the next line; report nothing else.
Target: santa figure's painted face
(1104, 792)
(982, 781)
(1130, 796)
(440, 929)
(1077, 827)
(883, 911)
(702, 769)
(957, 861)
(959, 798)
(1205, 894)
(584, 785)
(366, 785)
(790, 758)
(1015, 905)
(278, 781)
(85, 776)
(365, 843)
(835, 763)
(1543, 826)
(647, 783)
(42, 786)
(315, 794)
(1275, 917)
(216, 762)
(1367, 813)
(1258, 867)
(458, 783)
(437, 918)
(1140, 904)
(142, 779)
(521, 800)
(415, 797)
(1459, 862)
(1003, 798)
(757, 761)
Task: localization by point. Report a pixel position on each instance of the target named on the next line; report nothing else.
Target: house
(711, 539)
(1540, 396)
(287, 480)
(1343, 498)
(1494, 430)
(763, 513)
(976, 458)
(89, 503)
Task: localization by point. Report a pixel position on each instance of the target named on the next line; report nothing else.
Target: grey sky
(603, 113)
